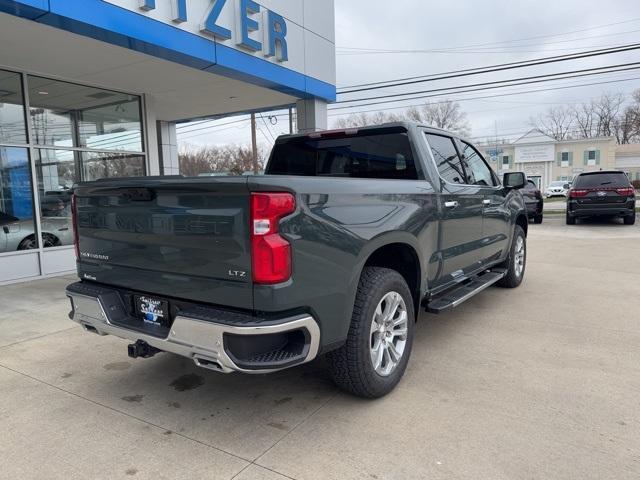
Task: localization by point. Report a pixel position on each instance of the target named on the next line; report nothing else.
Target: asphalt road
(541, 382)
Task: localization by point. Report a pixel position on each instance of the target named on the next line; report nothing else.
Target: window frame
(456, 143)
(426, 133)
(459, 143)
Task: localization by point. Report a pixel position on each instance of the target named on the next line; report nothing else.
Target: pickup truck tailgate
(173, 237)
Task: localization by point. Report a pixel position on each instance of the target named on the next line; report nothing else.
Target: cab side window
(447, 158)
(478, 172)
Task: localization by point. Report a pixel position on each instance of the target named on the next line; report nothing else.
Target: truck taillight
(626, 191)
(577, 193)
(270, 252)
(74, 221)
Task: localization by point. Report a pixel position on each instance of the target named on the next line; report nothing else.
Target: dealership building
(94, 88)
(545, 159)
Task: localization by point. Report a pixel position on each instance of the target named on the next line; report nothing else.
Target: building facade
(94, 88)
(544, 159)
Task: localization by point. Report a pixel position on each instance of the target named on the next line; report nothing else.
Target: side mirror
(5, 229)
(515, 180)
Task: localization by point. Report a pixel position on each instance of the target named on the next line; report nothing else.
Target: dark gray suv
(602, 194)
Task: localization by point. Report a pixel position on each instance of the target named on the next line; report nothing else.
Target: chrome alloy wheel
(519, 256)
(388, 336)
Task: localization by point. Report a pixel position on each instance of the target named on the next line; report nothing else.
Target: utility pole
(254, 145)
(291, 120)
(498, 155)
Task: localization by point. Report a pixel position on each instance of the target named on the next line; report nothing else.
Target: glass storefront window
(56, 173)
(17, 225)
(12, 124)
(76, 133)
(116, 126)
(111, 164)
(69, 115)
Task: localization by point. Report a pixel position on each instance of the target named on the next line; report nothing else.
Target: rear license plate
(152, 310)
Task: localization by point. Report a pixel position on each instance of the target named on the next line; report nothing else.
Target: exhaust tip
(92, 329)
(207, 363)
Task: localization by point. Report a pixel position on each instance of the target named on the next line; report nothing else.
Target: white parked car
(557, 189)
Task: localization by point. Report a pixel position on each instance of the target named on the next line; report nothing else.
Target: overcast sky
(456, 35)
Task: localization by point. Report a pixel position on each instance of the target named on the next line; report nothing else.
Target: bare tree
(607, 113)
(363, 119)
(556, 122)
(229, 159)
(627, 126)
(447, 115)
(585, 119)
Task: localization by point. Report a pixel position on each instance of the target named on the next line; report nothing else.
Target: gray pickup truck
(332, 252)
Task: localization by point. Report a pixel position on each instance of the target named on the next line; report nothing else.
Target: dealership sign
(535, 153)
(246, 23)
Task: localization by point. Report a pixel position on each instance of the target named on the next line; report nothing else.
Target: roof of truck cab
(404, 124)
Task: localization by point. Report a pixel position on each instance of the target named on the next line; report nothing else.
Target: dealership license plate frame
(159, 315)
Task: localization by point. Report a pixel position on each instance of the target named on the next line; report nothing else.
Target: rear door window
(446, 157)
(604, 180)
(370, 154)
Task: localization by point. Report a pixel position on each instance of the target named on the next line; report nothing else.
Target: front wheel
(373, 359)
(537, 219)
(630, 220)
(517, 260)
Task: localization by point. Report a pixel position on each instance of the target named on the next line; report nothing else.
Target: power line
(267, 127)
(418, 97)
(520, 81)
(490, 69)
(212, 129)
(515, 49)
(633, 20)
(216, 128)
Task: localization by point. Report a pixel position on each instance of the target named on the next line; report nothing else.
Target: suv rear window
(595, 180)
(368, 154)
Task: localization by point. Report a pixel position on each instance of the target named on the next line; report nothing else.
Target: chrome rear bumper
(202, 341)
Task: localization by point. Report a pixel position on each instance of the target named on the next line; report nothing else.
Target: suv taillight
(626, 191)
(577, 193)
(74, 222)
(270, 252)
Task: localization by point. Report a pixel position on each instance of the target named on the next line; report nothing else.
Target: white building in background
(544, 159)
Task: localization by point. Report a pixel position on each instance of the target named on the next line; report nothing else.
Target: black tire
(351, 366)
(630, 220)
(513, 278)
(537, 219)
(28, 243)
(571, 220)
(48, 240)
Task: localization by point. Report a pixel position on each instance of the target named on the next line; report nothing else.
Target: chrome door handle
(451, 204)
(486, 202)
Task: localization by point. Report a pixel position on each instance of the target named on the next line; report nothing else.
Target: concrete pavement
(541, 382)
